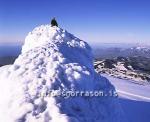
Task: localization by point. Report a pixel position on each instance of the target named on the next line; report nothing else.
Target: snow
(134, 99)
(53, 59)
(130, 88)
(120, 66)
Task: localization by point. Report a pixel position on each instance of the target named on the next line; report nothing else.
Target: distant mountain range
(112, 52)
(136, 68)
(124, 62)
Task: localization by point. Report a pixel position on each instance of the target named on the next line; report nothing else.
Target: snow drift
(53, 59)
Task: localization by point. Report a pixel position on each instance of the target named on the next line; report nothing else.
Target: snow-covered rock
(53, 59)
(130, 68)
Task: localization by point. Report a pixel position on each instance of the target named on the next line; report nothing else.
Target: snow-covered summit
(53, 59)
(46, 34)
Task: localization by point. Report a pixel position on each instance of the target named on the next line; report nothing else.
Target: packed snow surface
(53, 59)
(134, 99)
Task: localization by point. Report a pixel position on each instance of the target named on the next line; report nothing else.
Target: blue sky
(95, 21)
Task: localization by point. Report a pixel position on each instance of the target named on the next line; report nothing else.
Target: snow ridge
(53, 59)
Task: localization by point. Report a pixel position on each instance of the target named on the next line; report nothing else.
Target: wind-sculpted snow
(54, 60)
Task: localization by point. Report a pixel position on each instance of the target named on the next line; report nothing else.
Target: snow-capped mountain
(54, 60)
(136, 68)
(112, 52)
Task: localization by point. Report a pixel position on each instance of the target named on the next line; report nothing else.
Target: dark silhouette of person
(54, 22)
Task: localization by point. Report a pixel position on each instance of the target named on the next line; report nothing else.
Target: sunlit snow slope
(53, 59)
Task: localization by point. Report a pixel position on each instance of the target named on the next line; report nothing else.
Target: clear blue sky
(95, 21)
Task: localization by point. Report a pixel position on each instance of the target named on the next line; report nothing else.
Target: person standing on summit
(54, 22)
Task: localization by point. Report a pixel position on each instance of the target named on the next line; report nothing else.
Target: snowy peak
(47, 34)
(53, 59)
(54, 39)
